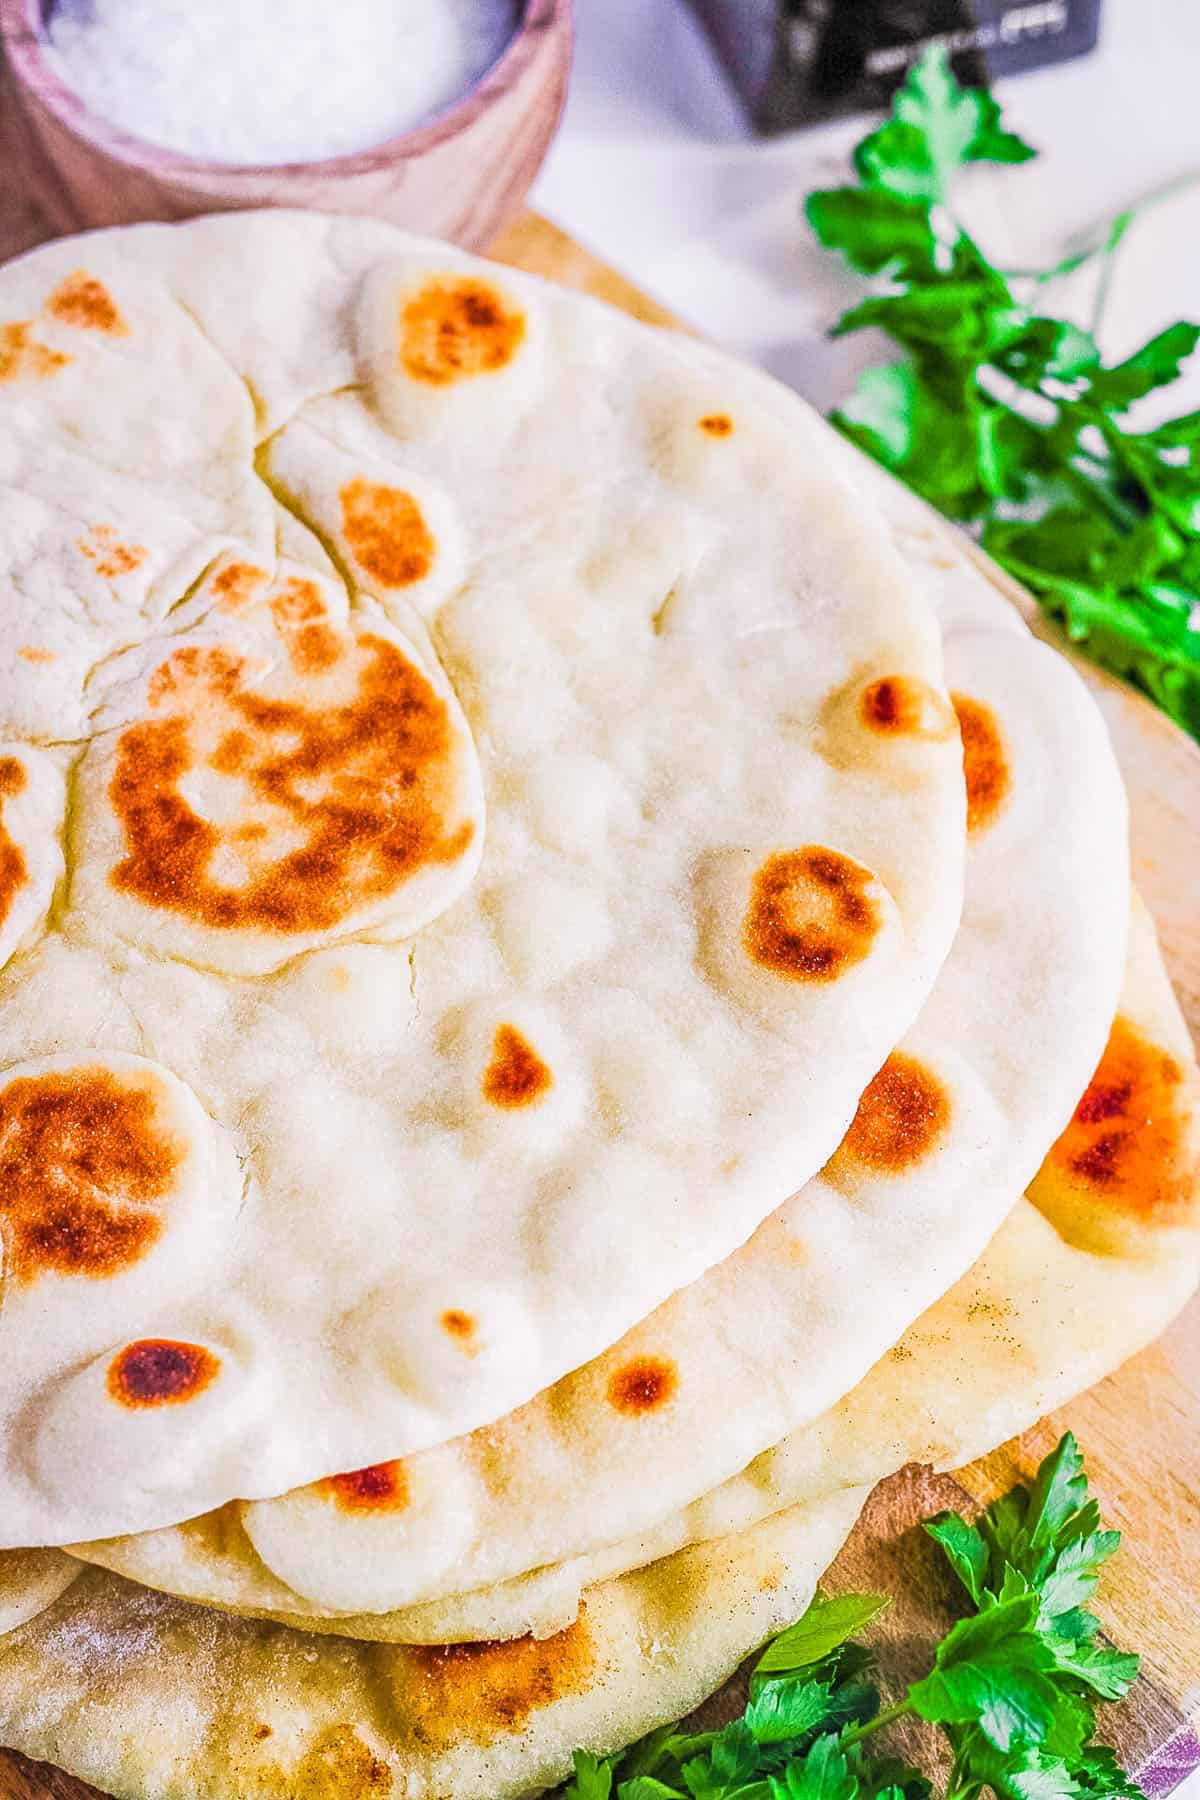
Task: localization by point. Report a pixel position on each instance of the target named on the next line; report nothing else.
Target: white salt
(273, 81)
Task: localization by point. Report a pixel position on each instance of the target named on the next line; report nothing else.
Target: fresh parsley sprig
(1008, 419)
(1014, 1684)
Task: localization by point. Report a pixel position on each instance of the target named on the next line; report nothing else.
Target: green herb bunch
(1008, 419)
(1014, 1684)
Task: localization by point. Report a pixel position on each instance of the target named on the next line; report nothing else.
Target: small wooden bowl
(462, 176)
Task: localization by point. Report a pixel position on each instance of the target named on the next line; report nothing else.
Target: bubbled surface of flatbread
(1097, 1257)
(486, 1535)
(474, 895)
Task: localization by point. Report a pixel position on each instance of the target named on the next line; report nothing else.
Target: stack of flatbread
(571, 1000)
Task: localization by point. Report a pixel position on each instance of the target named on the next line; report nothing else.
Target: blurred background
(658, 168)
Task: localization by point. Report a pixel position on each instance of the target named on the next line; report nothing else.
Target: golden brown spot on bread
(903, 706)
(339, 1766)
(985, 761)
(296, 602)
(901, 1117)
(298, 610)
(314, 650)
(112, 558)
(516, 1075)
(479, 1692)
(86, 303)
(381, 764)
(381, 1487)
(643, 1385)
(810, 917)
(35, 653)
(22, 358)
(192, 672)
(14, 872)
(456, 328)
(235, 585)
(85, 1163)
(1132, 1141)
(717, 425)
(161, 1372)
(386, 532)
(262, 1732)
(459, 1325)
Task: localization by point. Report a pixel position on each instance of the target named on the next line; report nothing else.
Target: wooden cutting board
(1140, 1430)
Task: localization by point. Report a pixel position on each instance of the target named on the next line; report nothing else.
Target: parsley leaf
(1009, 420)
(593, 1779)
(965, 1550)
(1155, 364)
(875, 231)
(992, 1670)
(824, 1774)
(824, 1628)
(1013, 1688)
(936, 127)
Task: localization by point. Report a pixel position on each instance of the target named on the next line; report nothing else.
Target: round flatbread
(170, 1698)
(1091, 1264)
(953, 1126)
(153, 1699)
(487, 883)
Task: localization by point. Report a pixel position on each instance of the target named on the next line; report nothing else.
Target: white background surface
(656, 170)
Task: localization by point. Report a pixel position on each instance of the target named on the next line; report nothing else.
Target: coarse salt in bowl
(273, 81)
(460, 173)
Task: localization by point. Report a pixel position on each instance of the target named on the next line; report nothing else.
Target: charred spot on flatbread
(235, 585)
(811, 916)
(302, 620)
(902, 1116)
(717, 425)
(161, 1372)
(386, 532)
(643, 1385)
(480, 1692)
(85, 1167)
(516, 1075)
(364, 782)
(904, 706)
(461, 1326)
(14, 872)
(1131, 1143)
(455, 328)
(337, 1766)
(985, 761)
(111, 558)
(24, 358)
(380, 1487)
(83, 301)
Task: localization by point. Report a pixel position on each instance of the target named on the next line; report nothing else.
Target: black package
(796, 62)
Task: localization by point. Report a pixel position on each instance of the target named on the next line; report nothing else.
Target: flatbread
(479, 835)
(1093, 1262)
(954, 1126)
(30, 1581)
(152, 1699)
